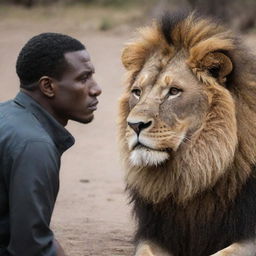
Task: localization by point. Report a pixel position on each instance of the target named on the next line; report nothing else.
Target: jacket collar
(61, 137)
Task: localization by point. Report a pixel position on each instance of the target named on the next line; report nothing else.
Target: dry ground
(92, 216)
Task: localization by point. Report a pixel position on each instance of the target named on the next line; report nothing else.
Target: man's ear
(218, 65)
(46, 85)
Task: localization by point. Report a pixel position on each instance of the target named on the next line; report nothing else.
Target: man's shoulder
(5, 106)
(18, 126)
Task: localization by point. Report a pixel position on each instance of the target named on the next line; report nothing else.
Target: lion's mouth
(145, 147)
(143, 155)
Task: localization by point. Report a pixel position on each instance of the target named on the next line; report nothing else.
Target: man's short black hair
(43, 55)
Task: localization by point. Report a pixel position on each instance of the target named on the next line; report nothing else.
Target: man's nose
(139, 126)
(95, 90)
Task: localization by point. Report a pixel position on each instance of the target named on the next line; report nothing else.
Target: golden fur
(220, 150)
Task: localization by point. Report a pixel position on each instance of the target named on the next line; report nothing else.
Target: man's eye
(136, 92)
(174, 91)
(86, 77)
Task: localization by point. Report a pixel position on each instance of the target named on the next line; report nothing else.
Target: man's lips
(93, 105)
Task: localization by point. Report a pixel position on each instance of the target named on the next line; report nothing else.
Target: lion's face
(166, 109)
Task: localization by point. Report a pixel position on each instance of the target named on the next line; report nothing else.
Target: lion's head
(188, 114)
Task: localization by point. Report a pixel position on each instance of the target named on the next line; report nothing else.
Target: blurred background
(240, 14)
(92, 215)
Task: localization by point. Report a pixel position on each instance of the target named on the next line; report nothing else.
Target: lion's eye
(174, 91)
(136, 92)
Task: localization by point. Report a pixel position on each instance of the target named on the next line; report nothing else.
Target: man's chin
(84, 120)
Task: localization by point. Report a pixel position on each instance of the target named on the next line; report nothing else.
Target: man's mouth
(93, 105)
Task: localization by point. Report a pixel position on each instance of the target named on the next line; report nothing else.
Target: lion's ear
(218, 65)
(133, 57)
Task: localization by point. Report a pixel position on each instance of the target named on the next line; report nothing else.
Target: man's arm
(34, 183)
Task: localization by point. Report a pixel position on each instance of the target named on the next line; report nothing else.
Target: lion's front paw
(148, 248)
(229, 251)
(144, 250)
(247, 248)
(225, 253)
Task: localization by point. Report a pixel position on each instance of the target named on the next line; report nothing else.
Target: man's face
(76, 92)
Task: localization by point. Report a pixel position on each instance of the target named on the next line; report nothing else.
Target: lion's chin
(143, 157)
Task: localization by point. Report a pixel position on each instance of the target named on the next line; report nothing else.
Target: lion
(187, 131)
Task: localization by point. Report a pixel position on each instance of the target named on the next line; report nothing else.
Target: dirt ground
(92, 215)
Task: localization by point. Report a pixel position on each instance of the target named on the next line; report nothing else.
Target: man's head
(56, 70)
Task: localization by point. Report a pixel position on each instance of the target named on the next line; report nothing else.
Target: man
(56, 85)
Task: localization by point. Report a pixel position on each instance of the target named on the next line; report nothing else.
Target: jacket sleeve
(34, 185)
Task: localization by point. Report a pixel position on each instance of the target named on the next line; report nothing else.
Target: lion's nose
(138, 127)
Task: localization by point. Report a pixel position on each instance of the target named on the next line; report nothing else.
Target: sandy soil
(92, 215)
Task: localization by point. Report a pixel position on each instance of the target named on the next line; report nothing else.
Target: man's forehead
(78, 57)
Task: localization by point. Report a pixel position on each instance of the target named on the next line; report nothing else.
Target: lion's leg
(147, 248)
(246, 248)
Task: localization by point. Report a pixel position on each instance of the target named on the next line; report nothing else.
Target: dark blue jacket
(31, 144)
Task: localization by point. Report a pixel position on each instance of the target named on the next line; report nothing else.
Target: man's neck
(44, 102)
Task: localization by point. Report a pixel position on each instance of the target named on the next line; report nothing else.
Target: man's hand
(59, 249)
